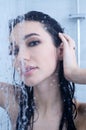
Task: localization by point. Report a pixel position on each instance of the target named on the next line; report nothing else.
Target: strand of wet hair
(69, 108)
(26, 106)
(24, 123)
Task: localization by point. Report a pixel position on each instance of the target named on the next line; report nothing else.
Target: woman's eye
(13, 50)
(16, 50)
(33, 43)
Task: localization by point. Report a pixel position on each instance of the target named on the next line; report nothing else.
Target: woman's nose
(23, 56)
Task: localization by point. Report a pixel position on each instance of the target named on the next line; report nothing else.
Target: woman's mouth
(29, 70)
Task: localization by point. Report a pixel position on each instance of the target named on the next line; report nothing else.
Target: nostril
(22, 62)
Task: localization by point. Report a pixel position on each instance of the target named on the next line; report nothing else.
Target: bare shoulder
(80, 120)
(9, 94)
(9, 89)
(9, 100)
(2, 84)
(6, 86)
(4, 89)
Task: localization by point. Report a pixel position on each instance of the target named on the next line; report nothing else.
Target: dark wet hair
(67, 89)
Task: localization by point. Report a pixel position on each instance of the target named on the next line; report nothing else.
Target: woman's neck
(47, 96)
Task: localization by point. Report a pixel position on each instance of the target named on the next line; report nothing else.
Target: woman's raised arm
(72, 71)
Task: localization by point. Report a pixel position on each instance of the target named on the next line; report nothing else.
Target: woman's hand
(69, 57)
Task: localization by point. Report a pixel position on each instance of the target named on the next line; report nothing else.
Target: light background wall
(60, 10)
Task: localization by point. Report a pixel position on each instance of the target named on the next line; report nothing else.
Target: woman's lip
(29, 71)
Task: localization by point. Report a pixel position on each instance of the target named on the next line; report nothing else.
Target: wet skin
(35, 54)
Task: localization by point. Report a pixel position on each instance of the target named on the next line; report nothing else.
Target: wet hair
(66, 88)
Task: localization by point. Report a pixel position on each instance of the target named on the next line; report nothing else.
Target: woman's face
(35, 56)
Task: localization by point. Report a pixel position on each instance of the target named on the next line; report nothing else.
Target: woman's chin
(33, 82)
(29, 83)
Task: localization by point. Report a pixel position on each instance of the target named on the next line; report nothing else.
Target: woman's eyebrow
(29, 35)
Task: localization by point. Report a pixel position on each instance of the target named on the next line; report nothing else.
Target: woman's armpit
(80, 120)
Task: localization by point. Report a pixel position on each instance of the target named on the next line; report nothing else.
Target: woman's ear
(60, 51)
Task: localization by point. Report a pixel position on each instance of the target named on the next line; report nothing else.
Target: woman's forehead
(28, 27)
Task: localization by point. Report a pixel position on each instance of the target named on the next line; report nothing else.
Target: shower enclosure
(71, 15)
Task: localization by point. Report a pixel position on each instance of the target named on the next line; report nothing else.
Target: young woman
(71, 69)
(44, 99)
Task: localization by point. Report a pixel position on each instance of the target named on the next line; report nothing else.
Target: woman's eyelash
(14, 51)
(33, 43)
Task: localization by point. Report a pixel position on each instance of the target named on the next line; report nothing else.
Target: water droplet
(56, 74)
(51, 84)
(42, 21)
(45, 28)
(45, 17)
(54, 80)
